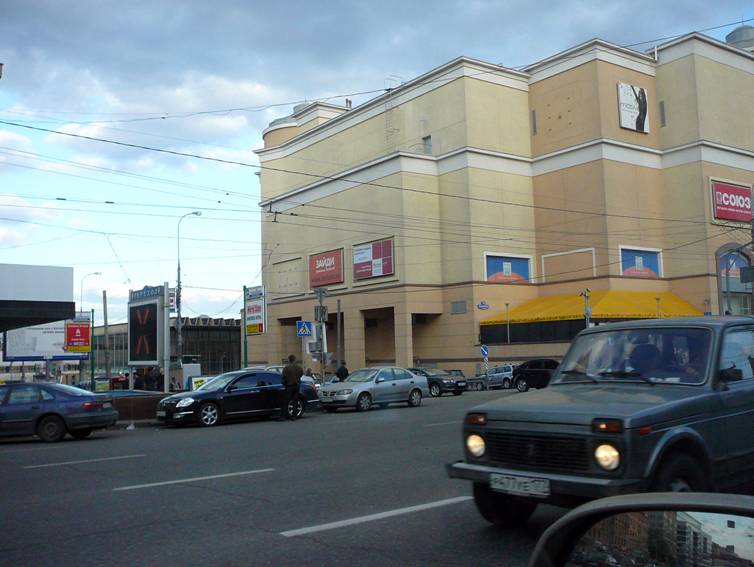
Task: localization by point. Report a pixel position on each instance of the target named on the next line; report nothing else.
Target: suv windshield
(363, 375)
(664, 355)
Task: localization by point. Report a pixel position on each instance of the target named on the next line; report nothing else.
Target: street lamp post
(179, 323)
(81, 291)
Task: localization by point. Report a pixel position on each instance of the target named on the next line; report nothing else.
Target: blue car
(240, 394)
(50, 410)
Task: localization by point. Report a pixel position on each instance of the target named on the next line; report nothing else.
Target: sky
(205, 78)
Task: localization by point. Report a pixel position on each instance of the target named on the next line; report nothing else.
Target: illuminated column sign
(145, 327)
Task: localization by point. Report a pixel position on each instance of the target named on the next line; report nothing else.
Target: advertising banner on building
(640, 263)
(78, 334)
(373, 260)
(143, 333)
(507, 269)
(255, 311)
(730, 201)
(40, 342)
(326, 268)
(633, 108)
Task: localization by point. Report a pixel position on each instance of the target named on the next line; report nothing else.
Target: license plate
(107, 405)
(523, 485)
(461, 383)
(160, 414)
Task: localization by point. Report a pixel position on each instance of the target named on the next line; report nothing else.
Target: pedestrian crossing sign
(304, 329)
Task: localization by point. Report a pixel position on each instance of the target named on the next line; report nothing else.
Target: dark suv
(659, 405)
(533, 374)
(441, 382)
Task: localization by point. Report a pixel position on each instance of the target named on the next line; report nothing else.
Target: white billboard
(633, 107)
(41, 342)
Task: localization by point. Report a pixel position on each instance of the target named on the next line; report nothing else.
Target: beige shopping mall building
(475, 203)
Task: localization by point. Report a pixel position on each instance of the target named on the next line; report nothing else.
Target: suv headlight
(475, 445)
(446, 381)
(185, 402)
(343, 392)
(607, 456)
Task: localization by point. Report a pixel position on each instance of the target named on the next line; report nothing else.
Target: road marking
(34, 449)
(443, 423)
(83, 461)
(373, 517)
(195, 479)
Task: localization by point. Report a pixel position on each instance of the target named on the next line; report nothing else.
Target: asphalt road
(257, 493)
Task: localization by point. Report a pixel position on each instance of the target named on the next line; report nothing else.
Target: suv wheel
(680, 473)
(522, 385)
(502, 510)
(506, 383)
(434, 390)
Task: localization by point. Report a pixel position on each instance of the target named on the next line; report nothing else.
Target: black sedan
(51, 410)
(234, 395)
(534, 373)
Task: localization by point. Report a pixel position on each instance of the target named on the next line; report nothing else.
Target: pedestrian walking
(342, 372)
(292, 373)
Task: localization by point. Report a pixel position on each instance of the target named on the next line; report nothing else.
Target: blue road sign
(304, 329)
(485, 351)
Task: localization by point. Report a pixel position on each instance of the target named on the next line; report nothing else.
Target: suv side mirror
(232, 387)
(731, 375)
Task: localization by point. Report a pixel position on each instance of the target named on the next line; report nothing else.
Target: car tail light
(91, 406)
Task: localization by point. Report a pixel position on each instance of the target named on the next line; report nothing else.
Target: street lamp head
(197, 213)
(97, 273)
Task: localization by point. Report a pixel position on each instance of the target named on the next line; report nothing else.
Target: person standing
(292, 373)
(342, 372)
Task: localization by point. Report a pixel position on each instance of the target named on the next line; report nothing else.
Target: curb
(124, 424)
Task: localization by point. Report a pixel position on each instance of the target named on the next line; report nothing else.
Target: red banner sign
(731, 202)
(77, 337)
(326, 268)
(373, 260)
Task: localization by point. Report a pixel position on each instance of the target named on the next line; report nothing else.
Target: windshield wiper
(574, 372)
(626, 374)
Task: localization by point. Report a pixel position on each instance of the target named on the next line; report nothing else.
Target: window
(458, 307)
(427, 145)
(400, 374)
(663, 122)
(3, 391)
(738, 352)
(47, 396)
(386, 373)
(23, 395)
(247, 381)
(269, 379)
(640, 263)
(507, 269)
(533, 122)
(551, 364)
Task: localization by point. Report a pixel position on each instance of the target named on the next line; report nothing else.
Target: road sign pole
(243, 333)
(91, 347)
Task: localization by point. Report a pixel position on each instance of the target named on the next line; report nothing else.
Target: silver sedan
(374, 386)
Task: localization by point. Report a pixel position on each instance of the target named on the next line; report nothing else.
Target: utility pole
(244, 338)
(107, 337)
(179, 320)
(587, 308)
(321, 318)
(91, 354)
(339, 360)
(508, 322)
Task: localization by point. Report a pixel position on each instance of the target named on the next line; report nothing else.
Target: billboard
(326, 268)
(373, 259)
(633, 108)
(255, 311)
(40, 342)
(143, 333)
(730, 201)
(640, 263)
(507, 269)
(78, 334)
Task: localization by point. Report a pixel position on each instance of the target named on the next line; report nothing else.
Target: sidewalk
(124, 423)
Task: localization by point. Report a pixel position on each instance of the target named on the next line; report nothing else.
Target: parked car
(50, 410)
(374, 386)
(534, 373)
(500, 376)
(440, 382)
(456, 372)
(659, 405)
(233, 395)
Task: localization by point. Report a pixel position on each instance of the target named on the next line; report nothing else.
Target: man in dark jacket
(342, 372)
(292, 373)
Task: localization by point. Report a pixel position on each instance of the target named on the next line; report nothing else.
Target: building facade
(474, 196)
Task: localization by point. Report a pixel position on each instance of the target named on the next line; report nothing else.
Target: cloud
(15, 207)
(15, 140)
(10, 237)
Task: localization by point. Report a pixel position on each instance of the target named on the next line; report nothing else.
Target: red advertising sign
(77, 337)
(373, 260)
(731, 202)
(326, 268)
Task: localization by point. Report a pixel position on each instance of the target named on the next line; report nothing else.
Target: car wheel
(209, 414)
(680, 473)
(80, 433)
(522, 385)
(51, 429)
(435, 391)
(500, 509)
(457, 393)
(364, 402)
(415, 398)
(296, 409)
(479, 386)
(506, 383)
(330, 410)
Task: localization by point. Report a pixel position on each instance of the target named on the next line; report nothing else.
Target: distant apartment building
(474, 203)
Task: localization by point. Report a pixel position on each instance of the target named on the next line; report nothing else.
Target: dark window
(400, 374)
(738, 352)
(525, 365)
(387, 374)
(534, 122)
(248, 381)
(3, 391)
(663, 121)
(47, 396)
(269, 379)
(551, 364)
(23, 395)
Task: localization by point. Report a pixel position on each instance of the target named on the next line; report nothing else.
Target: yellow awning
(605, 305)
